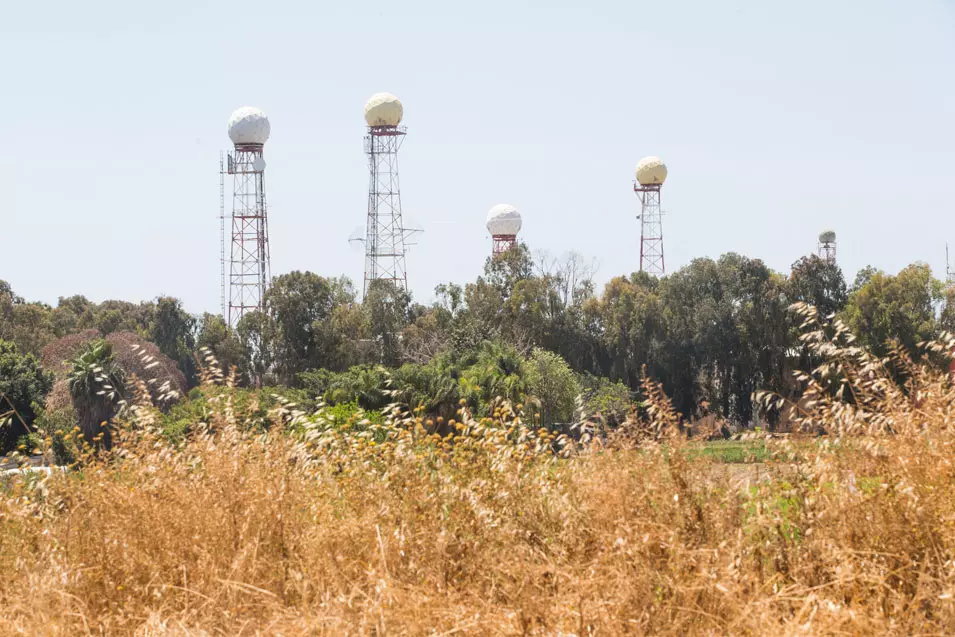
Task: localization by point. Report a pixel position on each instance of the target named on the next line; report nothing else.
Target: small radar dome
(651, 171)
(503, 219)
(249, 125)
(827, 236)
(383, 109)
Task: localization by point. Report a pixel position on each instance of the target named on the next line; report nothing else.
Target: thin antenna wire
(222, 233)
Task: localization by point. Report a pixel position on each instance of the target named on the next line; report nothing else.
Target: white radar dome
(503, 219)
(827, 236)
(651, 171)
(249, 125)
(383, 109)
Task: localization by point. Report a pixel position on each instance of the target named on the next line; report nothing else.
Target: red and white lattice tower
(249, 275)
(385, 235)
(827, 246)
(651, 173)
(503, 222)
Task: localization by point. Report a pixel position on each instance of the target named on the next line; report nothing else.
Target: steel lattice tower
(502, 243)
(249, 275)
(827, 247)
(385, 233)
(827, 252)
(651, 229)
(503, 222)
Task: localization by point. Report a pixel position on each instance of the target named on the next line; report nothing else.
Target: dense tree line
(712, 333)
(164, 322)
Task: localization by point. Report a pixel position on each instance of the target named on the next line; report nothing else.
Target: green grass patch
(732, 451)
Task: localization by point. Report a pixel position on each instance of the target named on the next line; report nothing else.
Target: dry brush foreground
(315, 527)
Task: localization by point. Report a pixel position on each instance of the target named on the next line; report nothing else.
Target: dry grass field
(316, 527)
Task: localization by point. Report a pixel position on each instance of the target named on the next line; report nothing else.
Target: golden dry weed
(318, 528)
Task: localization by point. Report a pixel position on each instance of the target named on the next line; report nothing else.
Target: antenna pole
(949, 274)
(222, 307)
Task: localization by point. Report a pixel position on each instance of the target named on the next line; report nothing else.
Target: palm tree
(96, 385)
(364, 384)
(498, 373)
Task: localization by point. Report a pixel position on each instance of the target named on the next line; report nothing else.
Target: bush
(316, 382)
(352, 416)
(253, 407)
(23, 385)
(59, 427)
(437, 387)
(364, 384)
(551, 381)
(606, 400)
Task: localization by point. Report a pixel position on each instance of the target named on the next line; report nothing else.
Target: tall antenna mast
(949, 274)
(651, 173)
(503, 222)
(385, 235)
(249, 274)
(222, 174)
(827, 246)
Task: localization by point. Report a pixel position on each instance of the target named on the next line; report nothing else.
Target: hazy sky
(776, 119)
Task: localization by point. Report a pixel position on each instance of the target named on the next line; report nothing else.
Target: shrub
(23, 385)
(60, 428)
(608, 400)
(252, 407)
(363, 383)
(551, 381)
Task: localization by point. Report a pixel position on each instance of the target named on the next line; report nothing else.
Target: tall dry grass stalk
(315, 527)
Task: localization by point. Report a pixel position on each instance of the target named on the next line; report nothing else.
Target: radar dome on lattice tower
(503, 220)
(383, 109)
(249, 125)
(651, 171)
(827, 236)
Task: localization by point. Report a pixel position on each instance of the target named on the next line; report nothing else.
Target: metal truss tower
(502, 243)
(827, 247)
(827, 252)
(651, 229)
(385, 234)
(249, 271)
